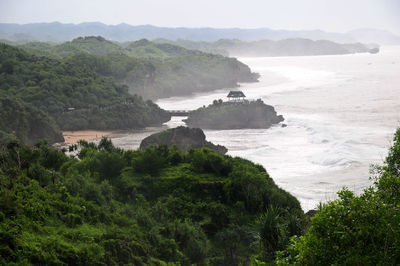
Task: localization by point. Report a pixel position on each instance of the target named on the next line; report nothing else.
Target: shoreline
(72, 137)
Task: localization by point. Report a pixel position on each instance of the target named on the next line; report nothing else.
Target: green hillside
(151, 207)
(92, 45)
(154, 70)
(71, 93)
(146, 49)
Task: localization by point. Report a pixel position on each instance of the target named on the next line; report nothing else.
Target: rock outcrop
(228, 115)
(183, 137)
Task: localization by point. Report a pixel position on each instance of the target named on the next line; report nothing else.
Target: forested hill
(92, 83)
(99, 46)
(153, 70)
(41, 95)
(285, 47)
(153, 207)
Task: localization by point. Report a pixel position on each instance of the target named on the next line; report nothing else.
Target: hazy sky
(329, 15)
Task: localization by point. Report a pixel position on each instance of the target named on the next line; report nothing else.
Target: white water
(341, 113)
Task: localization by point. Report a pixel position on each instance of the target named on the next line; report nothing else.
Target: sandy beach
(72, 137)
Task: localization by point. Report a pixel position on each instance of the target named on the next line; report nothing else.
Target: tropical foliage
(40, 95)
(153, 70)
(93, 83)
(107, 206)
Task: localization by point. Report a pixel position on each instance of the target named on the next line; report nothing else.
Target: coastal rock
(234, 115)
(183, 137)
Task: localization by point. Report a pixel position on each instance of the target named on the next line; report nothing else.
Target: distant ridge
(58, 32)
(286, 47)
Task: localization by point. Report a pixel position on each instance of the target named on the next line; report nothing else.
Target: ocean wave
(342, 162)
(331, 150)
(338, 154)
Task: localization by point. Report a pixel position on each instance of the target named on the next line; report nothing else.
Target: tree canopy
(107, 206)
(42, 95)
(153, 70)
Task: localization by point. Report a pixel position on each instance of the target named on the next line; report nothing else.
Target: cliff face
(234, 116)
(183, 137)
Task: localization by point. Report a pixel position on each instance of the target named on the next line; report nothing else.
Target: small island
(183, 137)
(236, 113)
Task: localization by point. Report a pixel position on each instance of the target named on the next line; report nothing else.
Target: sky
(328, 15)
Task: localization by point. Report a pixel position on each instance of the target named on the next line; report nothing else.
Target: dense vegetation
(41, 95)
(24, 121)
(153, 70)
(355, 230)
(92, 83)
(112, 207)
(234, 115)
(184, 138)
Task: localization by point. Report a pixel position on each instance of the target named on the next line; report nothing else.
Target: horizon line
(200, 27)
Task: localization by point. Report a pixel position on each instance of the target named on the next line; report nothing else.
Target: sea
(341, 112)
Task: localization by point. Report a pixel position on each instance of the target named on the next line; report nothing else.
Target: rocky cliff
(227, 115)
(183, 137)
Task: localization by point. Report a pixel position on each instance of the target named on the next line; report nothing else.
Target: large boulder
(183, 137)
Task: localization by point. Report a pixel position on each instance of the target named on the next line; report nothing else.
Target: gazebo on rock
(236, 96)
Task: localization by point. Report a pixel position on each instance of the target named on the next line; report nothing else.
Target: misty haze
(200, 132)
